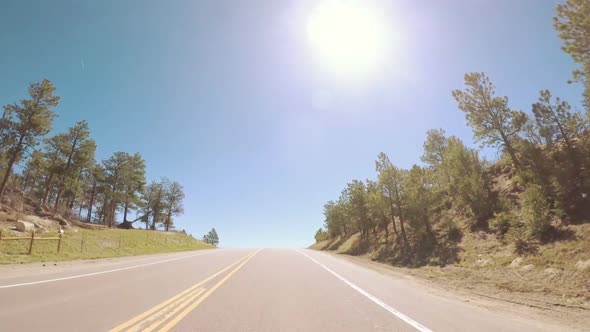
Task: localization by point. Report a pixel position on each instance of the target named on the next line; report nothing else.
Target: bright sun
(349, 36)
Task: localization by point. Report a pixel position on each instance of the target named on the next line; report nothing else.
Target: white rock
(516, 262)
(41, 223)
(583, 265)
(482, 262)
(24, 226)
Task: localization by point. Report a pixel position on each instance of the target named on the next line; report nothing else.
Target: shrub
(448, 229)
(501, 222)
(321, 235)
(536, 211)
(519, 235)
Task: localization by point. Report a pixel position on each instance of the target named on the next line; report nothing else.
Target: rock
(62, 221)
(527, 267)
(482, 262)
(44, 225)
(516, 262)
(24, 226)
(583, 265)
(551, 271)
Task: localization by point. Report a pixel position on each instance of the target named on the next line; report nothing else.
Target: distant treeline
(62, 175)
(540, 185)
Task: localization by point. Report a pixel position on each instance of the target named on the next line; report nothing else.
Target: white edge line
(382, 304)
(102, 272)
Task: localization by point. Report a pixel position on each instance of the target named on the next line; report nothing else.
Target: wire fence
(91, 244)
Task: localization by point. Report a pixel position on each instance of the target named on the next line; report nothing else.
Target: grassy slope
(548, 277)
(97, 244)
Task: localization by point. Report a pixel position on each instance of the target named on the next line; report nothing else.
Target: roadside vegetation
(530, 208)
(211, 238)
(51, 182)
(60, 174)
(91, 244)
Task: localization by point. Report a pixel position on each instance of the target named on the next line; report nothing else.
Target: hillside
(556, 275)
(517, 226)
(80, 240)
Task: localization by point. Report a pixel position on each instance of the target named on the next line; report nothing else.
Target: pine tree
(24, 123)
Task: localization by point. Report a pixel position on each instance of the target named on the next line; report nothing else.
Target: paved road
(231, 290)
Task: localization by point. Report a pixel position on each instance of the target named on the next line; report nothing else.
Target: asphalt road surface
(231, 290)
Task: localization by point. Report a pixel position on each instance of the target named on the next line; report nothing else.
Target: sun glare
(349, 37)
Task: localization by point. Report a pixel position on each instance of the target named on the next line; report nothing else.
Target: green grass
(97, 244)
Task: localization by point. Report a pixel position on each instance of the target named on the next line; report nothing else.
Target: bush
(519, 235)
(448, 229)
(321, 235)
(501, 222)
(536, 211)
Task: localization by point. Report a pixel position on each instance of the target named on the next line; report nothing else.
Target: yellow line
(185, 312)
(137, 326)
(174, 298)
(173, 311)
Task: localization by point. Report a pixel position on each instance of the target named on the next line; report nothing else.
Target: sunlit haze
(349, 37)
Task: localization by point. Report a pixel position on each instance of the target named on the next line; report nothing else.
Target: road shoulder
(490, 299)
(39, 269)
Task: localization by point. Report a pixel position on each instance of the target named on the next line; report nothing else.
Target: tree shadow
(555, 234)
(359, 247)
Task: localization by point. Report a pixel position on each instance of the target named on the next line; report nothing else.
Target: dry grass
(97, 244)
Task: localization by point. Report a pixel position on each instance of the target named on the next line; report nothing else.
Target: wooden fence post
(31, 244)
(120, 238)
(59, 243)
(82, 245)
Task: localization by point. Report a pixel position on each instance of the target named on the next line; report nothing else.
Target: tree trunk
(401, 217)
(510, 150)
(168, 217)
(386, 227)
(102, 212)
(48, 187)
(26, 179)
(63, 175)
(58, 198)
(11, 162)
(111, 213)
(157, 208)
(392, 214)
(91, 203)
(125, 210)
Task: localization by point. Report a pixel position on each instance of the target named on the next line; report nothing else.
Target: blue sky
(229, 98)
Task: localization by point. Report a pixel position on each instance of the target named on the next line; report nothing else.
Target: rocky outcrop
(25, 226)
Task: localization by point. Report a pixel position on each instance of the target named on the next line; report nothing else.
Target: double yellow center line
(168, 313)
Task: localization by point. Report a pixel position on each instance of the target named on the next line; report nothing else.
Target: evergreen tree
(24, 123)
